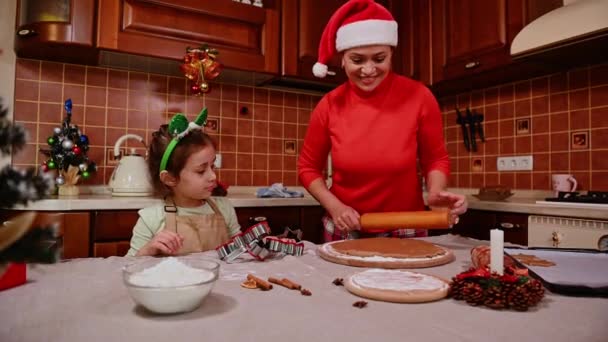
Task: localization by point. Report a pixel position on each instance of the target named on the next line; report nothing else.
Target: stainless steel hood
(576, 21)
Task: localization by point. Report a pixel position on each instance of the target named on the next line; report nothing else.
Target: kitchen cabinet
(246, 36)
(470, 39)
(303, 22)
(478, 223)
(61, 30)
(105, 233)
(73, 229)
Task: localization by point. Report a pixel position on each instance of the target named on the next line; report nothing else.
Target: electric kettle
(131, 176)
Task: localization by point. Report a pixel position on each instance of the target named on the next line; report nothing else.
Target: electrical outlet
(515, 163)
(218, 161)
(110, 160)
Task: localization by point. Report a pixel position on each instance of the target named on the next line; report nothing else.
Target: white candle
(496, 251)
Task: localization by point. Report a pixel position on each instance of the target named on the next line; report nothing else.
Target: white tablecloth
(85, 300)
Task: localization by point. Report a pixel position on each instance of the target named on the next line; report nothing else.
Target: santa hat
(356, 23)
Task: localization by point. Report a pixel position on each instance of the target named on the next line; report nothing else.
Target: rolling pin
(439, 219)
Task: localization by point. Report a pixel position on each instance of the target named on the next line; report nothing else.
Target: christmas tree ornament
(200, 66)
(57, 130)
(85, 174)
(60, 180)
(76, 150)
(44, 167)
(51, 164)
(51, 141)
(83, 166)
(84, 139)
(67, 144)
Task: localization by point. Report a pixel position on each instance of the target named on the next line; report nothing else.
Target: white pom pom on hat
(356, 23)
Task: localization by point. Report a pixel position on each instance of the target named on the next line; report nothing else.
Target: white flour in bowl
(169, 273)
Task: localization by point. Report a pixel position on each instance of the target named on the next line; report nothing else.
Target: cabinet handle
(508, 225)
(471, 65)
(26, 33)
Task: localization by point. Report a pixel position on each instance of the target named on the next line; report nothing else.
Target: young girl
(181, 163)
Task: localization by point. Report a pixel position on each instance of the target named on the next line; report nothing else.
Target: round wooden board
(328, 253)
(403, 286)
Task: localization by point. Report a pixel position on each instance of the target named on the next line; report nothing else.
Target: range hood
(576, 21)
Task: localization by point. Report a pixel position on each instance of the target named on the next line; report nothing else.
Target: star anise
(360, 304)
(338, 282)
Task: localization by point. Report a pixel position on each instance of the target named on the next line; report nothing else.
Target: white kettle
(131, 176)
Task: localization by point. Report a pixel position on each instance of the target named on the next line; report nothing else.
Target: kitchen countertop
(100, 198)
(85, 300)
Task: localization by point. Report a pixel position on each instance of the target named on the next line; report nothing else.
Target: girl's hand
(345, 218)
(165, 242)
(455, 202)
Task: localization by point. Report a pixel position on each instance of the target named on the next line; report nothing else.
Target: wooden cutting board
(386, 253)
(397, 286)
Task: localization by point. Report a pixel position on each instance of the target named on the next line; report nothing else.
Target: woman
(377, 126)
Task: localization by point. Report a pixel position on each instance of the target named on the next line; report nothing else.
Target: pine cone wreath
(456, 287)
(495, 297)
(473, 294)
(518, 299)
(536, 291)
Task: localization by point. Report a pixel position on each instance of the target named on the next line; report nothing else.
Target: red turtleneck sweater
(375, 139)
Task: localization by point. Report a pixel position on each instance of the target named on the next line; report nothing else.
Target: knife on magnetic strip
(465, 133)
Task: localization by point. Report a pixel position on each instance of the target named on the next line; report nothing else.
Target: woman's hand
(455, 202)
(345, 217)
(165, 242)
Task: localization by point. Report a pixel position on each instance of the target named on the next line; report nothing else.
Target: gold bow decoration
(200, 66)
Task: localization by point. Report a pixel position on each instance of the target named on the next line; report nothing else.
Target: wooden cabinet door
(302, 25)
(304, 22)
(471, 36)
(246, 36)
(475, 224)
(515, 227)
(56, 30)
(278, 217)
(108, 249)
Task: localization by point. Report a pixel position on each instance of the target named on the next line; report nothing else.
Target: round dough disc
(386, 253)
(398, 286)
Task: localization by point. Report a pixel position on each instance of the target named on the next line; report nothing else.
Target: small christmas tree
(19, 242)
(68, 152)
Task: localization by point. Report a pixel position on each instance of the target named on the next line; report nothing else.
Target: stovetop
(576, 197)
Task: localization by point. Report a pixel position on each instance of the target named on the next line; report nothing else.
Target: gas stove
(598, 197)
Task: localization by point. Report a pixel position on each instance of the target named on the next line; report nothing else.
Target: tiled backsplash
(567, 130)
(259, 132)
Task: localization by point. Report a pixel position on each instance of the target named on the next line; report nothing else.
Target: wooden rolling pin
(439, 219)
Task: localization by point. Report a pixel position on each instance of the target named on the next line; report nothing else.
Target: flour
(169, 273)
(397, 280)
(331, 251)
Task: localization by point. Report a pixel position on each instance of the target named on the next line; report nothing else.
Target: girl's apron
(200, 232)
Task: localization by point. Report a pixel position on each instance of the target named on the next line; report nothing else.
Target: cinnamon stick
(285, 283)
(262, 284)
(292, 285)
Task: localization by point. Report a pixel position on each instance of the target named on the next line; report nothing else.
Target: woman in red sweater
(377, 126)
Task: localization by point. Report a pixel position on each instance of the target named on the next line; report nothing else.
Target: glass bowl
(171, 294)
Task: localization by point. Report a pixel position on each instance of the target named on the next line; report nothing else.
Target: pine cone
(473, 293)
(535, 290)
(518, 298)
(495, 297)
(456, 287)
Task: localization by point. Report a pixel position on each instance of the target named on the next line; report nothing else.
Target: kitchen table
(85, 300)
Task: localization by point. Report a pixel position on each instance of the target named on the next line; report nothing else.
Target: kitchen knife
(465, 133)
(478, 117)
(434, 219)
(471, 123)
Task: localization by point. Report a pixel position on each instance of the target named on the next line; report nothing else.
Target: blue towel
(279, 191)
